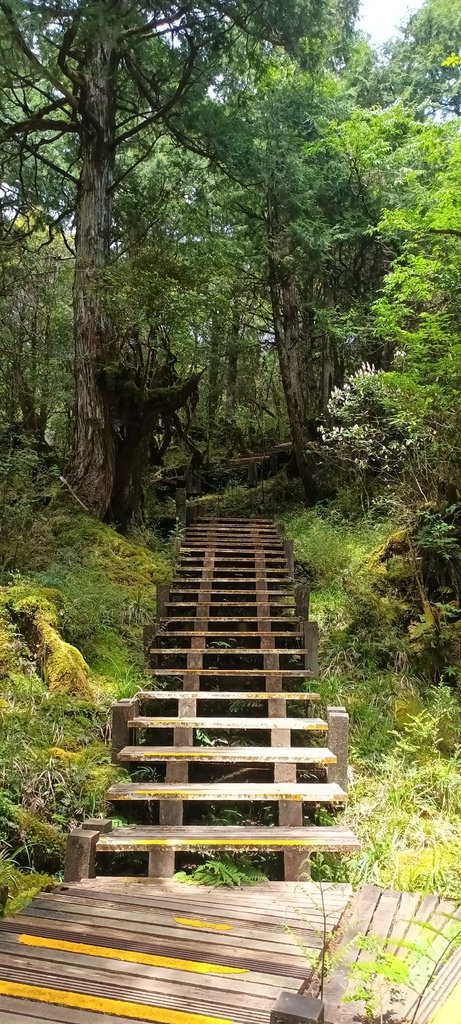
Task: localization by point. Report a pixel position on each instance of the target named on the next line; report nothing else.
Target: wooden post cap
(291, 1008)
(97, 824)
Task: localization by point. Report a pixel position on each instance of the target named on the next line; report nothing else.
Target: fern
(224, 871)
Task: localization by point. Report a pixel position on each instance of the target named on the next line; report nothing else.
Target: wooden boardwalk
(418, 931)
(114, 952)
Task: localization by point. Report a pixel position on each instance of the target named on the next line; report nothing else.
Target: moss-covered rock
(34, 611)
(7, 644)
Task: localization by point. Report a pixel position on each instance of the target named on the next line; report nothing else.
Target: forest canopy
(227, 225)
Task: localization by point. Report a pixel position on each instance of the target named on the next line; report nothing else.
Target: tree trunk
(94, 436)
(233, 345)
(292, 351)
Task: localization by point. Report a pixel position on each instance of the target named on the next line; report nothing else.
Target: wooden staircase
(239, 726)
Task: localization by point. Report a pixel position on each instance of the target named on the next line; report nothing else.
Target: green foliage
(20, 886)
(230, 871)
(404, 797)
(97, 589)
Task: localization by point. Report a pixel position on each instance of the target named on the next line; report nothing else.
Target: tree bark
(94, 435)
(292, 348)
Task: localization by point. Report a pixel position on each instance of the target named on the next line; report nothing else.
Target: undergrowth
(405, 783)
(81, 593)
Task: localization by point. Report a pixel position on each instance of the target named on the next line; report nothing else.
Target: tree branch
(34, 151)
(154, 23)
(455, 232)
(66, 45)
(33, 59)
(143, 87)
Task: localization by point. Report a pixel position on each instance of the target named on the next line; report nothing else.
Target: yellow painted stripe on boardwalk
(189, 922)
(129, 956)
(100, 1004)
(450, 1011)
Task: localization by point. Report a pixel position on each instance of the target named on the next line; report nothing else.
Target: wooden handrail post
(181, 514)
(163, 593)
(80, 854)
(338, 743)
(289, 549)
(122, 712)
(311, 645)
(292, 1008)
(302, 594)
(81, 849)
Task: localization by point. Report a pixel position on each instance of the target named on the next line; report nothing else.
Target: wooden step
(239, 724)
(231, 755)
(247, 560)
(219, 594)
(293, 673)
(237, 635)
(196, 586)
(194, 838)
(229, 651)
(306, 792)
(275, 620)
(228, 604)
(234, 549)
(244, 520)
(227, 695)
(251, 576)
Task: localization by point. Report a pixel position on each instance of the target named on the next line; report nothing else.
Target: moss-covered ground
(71, 620)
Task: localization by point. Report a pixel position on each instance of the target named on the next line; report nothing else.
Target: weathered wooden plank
(312, 792)
(193, 838)
(241, 724)
(251, 695)
(206, 633)
(290, 673)
(99, 995)
(230, 755)
(141, 970)
(361, 914)
(20, 1010)
(230, 652)
(210, 906)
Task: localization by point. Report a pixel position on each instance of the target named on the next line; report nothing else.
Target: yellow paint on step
(190, 923)
(450, 1011)
(129, 956)
(181, 794)
(101, 1004)
(217, 842)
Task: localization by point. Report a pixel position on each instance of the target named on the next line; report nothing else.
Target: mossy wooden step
(233, 549)
(219, 592)
(213, 606)
(195, 838)
(239, 724)
(310, 792)
(293, 673)
(236, 636)
(228, 695)
(231, 755)
(292, 652)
